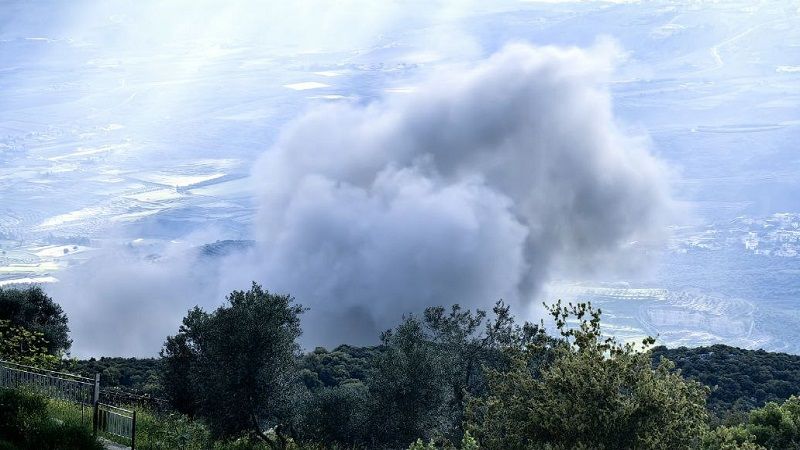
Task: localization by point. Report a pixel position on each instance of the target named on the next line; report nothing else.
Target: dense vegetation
(27, 423)
(449, 378)
(140, 375)
(740, 379)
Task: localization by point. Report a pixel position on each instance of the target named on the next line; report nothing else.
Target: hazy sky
(373, 158)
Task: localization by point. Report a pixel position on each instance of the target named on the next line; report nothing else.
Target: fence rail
(116, 421)
(120, 396)
(108, 419)
(61, 385)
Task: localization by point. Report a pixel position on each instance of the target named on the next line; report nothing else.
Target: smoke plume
(481, 184)
(473, 187)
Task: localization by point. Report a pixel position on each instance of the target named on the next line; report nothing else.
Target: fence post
(95, 418)
(95, 403)
(133, 432)
(96, 388)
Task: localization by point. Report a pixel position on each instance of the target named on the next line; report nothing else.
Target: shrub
(26, 424)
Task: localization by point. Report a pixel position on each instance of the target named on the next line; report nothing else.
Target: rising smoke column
(472, 188)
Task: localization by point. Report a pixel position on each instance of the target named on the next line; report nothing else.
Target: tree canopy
(594, 393)
(235, 366)
(740, 379)
(34, 310)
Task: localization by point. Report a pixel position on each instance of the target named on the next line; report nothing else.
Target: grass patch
(31, 421)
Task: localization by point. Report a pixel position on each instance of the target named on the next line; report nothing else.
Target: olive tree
(234, 367)
(407, 386)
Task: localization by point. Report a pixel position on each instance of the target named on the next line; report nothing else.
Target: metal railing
(115, 421)
(108, 419)
(60, 385)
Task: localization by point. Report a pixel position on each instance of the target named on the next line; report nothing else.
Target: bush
(26, 424)
(5, 445)
(62, 436)
(776, 425)
(20, 413)
(170, 432)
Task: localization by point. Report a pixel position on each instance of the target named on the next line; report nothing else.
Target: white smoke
(471, 188)
(478, 185)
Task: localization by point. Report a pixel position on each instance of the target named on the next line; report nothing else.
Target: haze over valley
(372, 160)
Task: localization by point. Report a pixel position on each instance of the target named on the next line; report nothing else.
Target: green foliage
(237, 364)
(729, 438)
(23, 346)
(170, 432)
(740, 379)
(594, 393)
(180, 357)
(340, 414)
(34, 310)
(426, 369)
(142, 375)
(240, 382)
(466, 343)
(776, 425)
(25, 423)
(407, 390)
(420, 445)
(344, 364)
(20, 412)
(467, 443)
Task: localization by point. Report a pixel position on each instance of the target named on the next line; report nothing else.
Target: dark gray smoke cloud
(471, 188)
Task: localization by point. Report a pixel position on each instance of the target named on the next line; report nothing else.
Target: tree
(34, 310)
(407, 386)
(776, 425)
(417, 380)
(239, 363)
(468, 342)
(178, 357)
(594, 393)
